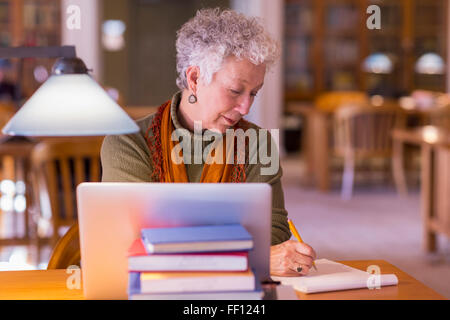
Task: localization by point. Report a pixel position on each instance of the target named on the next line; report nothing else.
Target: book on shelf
(339, 51)
(342, 17)
(140, 260)
(299, 19)
(29, 15)
(135, 293)
(297, 54)
(4, 13)
(177, 282)
(41, 15)
(210, 238)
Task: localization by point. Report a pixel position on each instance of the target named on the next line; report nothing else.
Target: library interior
(357, 103)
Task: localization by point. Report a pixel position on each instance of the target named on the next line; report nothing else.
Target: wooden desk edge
(52, 284)
(408, 287)
(415, 137)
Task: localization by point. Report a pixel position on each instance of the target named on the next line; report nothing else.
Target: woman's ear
(193, 76)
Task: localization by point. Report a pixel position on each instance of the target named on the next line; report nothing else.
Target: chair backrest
(365, 130)
(330, 101)
(59, 165)
(7, 110)
(139, 112)
(67, 251)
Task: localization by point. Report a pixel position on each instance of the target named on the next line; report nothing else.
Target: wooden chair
(318, 134)
(363, 131)
(59, 165)
(139, 112)
(67, 250)
(7, 110)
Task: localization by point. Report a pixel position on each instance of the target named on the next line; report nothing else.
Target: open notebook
(333, 276)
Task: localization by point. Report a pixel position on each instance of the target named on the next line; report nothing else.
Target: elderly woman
(222, 58)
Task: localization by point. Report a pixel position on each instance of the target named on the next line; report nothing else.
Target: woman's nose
(244, 105)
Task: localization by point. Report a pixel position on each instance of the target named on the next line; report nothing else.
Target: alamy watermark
(73, 21)
(374, 20)
(374, 280)
(73, 282)
(252, 146)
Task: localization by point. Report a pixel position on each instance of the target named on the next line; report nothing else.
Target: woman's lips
(230, 121)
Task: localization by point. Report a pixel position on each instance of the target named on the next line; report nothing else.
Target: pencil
(297, 235)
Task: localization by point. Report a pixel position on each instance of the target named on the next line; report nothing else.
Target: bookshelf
(300, 46)
(430, 35)
(341, 45)
(389, 40)
(327, 41)
(30, 23)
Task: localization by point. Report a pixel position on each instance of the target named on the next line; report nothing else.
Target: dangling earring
(192, 99)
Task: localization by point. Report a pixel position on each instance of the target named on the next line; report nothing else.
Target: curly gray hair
(213, 35)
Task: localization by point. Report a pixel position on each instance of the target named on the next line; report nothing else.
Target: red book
(139, 260)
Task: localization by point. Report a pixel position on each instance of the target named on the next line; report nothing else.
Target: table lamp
(378, 63)
(430, 63)
(68, 103)
(379, 66)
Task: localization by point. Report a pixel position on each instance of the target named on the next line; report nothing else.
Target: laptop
(111, 216)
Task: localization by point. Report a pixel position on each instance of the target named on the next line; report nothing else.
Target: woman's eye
(238, 92)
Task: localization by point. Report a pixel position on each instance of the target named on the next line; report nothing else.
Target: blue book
(211, 238)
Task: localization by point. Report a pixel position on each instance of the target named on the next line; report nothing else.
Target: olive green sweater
(127, 158)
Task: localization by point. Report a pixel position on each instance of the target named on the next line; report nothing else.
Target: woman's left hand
(291, 258)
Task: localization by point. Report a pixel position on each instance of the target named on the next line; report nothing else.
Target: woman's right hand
(287, 257)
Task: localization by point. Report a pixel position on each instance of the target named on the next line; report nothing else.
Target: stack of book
(189, 263)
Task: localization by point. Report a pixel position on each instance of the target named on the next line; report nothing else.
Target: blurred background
(360, 96)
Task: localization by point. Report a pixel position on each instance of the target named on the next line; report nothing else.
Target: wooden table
(435, 177)
(316, 143)
(51, 284)
(408, 288)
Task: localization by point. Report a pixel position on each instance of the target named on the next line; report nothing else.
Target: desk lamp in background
(429, 65)
(68, 103)
(379, 65)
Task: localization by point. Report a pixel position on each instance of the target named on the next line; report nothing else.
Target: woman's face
(229, 96)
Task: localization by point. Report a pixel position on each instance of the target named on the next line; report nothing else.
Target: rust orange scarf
(165, 170)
